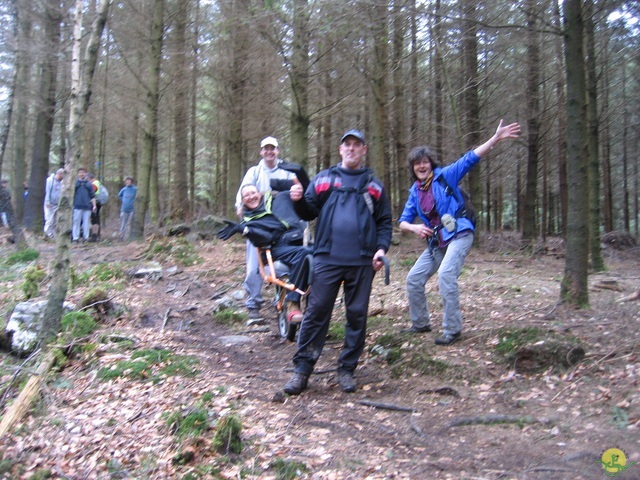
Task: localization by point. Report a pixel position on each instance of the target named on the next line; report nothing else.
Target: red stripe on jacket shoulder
(323, 184)
(375, 190)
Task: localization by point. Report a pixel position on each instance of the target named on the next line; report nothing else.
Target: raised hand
(230, 230)
(508, 131)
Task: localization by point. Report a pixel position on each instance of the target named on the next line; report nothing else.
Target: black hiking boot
(297, 384)
(413, 329)
(448, 338)
(346, 381)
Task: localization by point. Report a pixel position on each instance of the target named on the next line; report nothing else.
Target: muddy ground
(421, 411)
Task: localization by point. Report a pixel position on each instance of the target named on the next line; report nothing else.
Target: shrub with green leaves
(388, 346)
(510, 339)
(422, 364)
(98, 298)
(78, 278)
(336, 331)
(104, 272)
(229, 317)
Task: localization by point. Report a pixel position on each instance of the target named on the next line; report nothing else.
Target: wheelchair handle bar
(387, 268)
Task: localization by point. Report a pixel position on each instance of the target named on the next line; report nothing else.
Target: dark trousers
(315, 325)
(293, 256)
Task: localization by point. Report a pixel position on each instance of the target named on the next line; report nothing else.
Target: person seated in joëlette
(268, 220)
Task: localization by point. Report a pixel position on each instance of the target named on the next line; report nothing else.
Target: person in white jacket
(259, 175)
(53, 187)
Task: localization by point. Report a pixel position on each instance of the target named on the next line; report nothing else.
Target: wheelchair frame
(268, 272)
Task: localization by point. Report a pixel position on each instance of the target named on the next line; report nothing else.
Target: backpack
(102, 196)
(467, 209)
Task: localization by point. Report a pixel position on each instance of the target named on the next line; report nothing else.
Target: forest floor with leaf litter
(421, 410)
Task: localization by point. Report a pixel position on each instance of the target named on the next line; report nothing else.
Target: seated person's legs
(294, 257)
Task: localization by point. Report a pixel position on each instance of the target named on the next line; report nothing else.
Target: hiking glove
(300, 172)
(280, 185)
(230, 230)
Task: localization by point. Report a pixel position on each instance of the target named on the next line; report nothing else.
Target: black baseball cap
(354, 133)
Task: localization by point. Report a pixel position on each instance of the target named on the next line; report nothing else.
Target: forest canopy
(186, 89)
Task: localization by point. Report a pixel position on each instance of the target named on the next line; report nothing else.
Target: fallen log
(28, 394)
(608, 285)
(497, 419)
(632, 297)
(386, 406)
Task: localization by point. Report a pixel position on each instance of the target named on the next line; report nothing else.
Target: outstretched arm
(502, 133)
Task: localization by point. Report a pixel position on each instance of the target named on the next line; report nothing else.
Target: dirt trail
(473, 416)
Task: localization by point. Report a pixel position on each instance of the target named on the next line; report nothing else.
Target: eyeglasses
(424, 161)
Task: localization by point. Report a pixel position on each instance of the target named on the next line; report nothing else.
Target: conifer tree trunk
(82, 81)
(471, 102)
(597, 262)
(21, 106)
(574, 284)
(150, 135)
(438, 83)
(193, 108)
(413, 76)
(377, 137)
(46, 102)
(562, 125)
(234, 151)
(400, 180)
(529, 225)
(180, 197)
(299, 77)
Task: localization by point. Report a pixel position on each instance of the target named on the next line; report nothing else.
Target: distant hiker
(3, 207)
(53, 187)
(101, 199)
(84, 202)
(127, 196)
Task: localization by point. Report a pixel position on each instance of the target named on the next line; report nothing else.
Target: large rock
(24, 326)
(151, 270)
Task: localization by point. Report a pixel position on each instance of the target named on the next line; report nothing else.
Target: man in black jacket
(353, 231)
(84, 202)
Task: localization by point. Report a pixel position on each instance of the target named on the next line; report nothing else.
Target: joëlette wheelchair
(278, 274)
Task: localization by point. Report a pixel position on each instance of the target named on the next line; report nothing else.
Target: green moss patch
(227, 437)
(22, 256)
(175, 249)
(152, 365)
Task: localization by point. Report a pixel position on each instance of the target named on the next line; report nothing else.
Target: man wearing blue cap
(353, 231)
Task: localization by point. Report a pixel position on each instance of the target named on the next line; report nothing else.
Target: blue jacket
(83, 195)
(323, 197)
(444, 203)
(127, 195)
